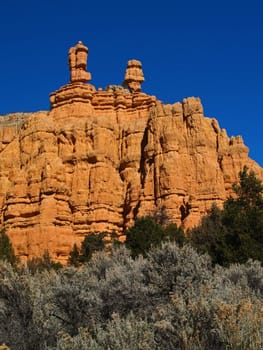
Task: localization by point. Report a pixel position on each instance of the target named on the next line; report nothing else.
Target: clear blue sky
(211, 49)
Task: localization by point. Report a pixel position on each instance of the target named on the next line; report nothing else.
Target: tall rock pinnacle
(77, 59)
(134, 76)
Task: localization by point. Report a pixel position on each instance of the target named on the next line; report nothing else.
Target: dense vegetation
(154, 292)
(6, 250)
(235, 233)
(171, 299)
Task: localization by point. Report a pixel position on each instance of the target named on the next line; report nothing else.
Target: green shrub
(147, 233)
(6, 250)
(120, 333)
(74, 256)
(41, 264)
(144, 234)
(92, 243)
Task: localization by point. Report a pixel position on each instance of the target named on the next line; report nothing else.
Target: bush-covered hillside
(173, 298)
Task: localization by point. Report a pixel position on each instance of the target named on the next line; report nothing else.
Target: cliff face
(99, 159)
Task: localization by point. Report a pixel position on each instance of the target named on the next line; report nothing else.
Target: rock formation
(77, 58)
(134, 76)
(101, 158)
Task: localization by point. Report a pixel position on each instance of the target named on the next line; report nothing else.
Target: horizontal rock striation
(101, 158)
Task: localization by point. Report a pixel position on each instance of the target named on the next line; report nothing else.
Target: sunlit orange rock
(101, 158)
(77, 59)
(134, 76)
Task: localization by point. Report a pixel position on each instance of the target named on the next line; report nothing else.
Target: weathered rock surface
(101, 158)
(77, 60)
(134, 76)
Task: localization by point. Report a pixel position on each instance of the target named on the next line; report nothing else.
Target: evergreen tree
(235, 233)
(243, 217)
(209, 237)
(6, 250)
(147, 232)
(74, 256)
(144, 234)
(92, 242)
(44, 263)
(174, 233)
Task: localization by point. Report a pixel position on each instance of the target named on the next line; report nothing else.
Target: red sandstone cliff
(101, 158)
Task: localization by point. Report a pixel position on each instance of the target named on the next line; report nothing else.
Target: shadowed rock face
(99, 159)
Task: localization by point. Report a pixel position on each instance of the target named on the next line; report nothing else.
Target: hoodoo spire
(134, 76)
(77, 60)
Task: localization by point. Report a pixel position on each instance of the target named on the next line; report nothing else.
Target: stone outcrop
(134, 76)
(101, 158)
(77, 59)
